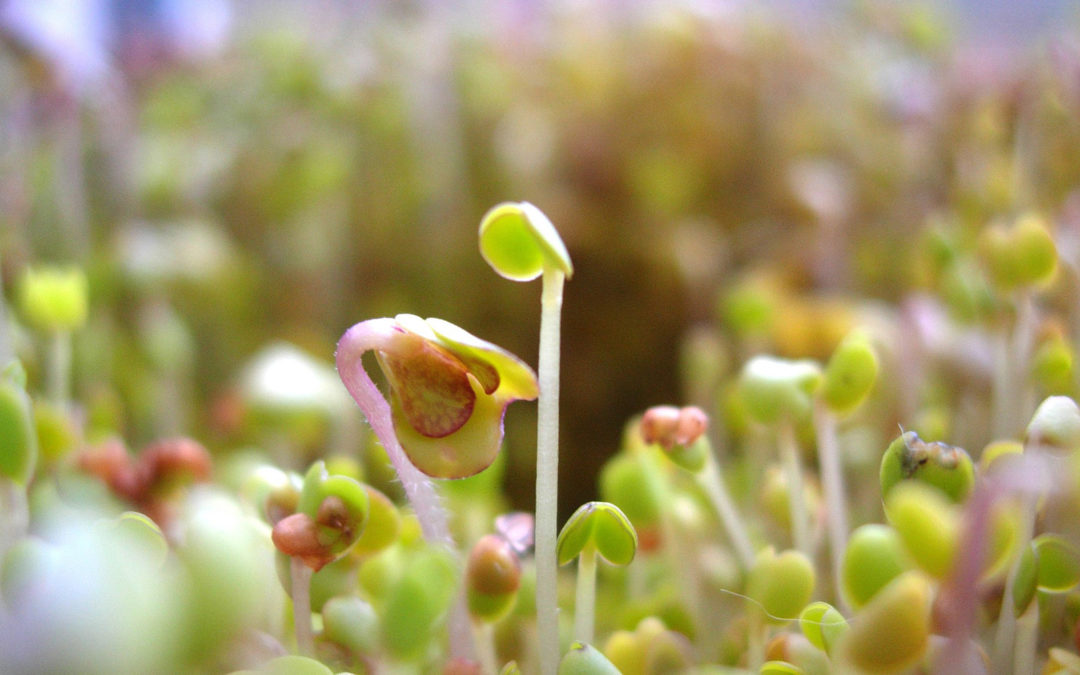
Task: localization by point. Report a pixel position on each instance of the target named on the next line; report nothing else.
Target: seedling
(520, 243)
(596, 528)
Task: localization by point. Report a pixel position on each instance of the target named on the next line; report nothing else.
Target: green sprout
(680, 432)
(55, 301)
(596, 528)
(331, 513)
(520, 243)
(945, 467)
(779, 393)
(849, 377)
(892, 632)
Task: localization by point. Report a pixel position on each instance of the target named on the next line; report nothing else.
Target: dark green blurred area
(333, 166)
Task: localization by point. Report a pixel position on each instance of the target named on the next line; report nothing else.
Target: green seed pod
(943, 466)
(1055, 425)
(1021, 255)
(598, 525)
(584, 659)
(519, 241)
(874, 556)
(54, 299)
(18, 438)
(781, 584)
(850, 373)
(778, 389)
(892, 632)
(823, 625)
(352, 623)
(492, 578)
(927, 523)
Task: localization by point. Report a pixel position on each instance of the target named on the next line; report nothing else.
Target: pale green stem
(301, 597)
(547, 472)
(485, 647)
(789, 456)
(1027, 641)
(1005, 638)
(681, 558)
(712, 481)
(1002, 384)
(585, 599)
(59, 368)
(832, 484)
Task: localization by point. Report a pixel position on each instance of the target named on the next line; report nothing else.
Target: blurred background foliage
(236, 174)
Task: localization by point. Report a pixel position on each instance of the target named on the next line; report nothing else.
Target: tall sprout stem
(789, 456)
(301, 597)
(832, 483)
(585, 598)
(712, 482)
(547, 471)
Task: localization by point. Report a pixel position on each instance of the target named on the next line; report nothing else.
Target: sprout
(874, 557)
(492, 578)
(943, 466)
(893, 631)
(595, 528)
(823, 625)
(584, 659)
(448, 392)
(331, 513)
(54, 299)
(781, 584)
(1055, 424)
(928, 524)
(520, 243)
(1022, 254)
(18, 440)
(850, 374)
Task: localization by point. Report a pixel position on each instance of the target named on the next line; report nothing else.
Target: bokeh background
(236, 174)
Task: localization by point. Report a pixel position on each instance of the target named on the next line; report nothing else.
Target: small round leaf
(519, 241)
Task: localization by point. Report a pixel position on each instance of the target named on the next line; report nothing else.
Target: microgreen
(520, 243)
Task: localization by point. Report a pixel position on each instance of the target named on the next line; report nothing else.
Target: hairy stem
(712, 482)
(832, 484)
(420, 491)
(547, 472)
(301, 597)
(585, 599)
